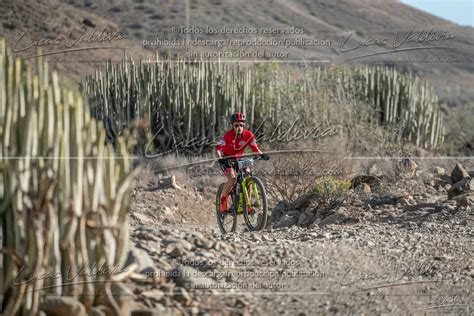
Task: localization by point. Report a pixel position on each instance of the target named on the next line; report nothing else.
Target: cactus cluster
(180, 101)
(63, 192)
(399, 99)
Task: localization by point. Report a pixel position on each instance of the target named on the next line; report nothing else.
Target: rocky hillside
(70, 37)
(406, 252)
(354, 29)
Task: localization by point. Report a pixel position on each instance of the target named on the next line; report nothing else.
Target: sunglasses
(238, 125)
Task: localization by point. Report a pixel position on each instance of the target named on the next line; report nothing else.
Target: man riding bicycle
(232, 145)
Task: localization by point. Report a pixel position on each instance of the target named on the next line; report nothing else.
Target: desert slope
(450, 68)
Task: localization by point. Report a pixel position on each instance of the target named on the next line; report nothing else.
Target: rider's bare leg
(249, 192)
(229, 183)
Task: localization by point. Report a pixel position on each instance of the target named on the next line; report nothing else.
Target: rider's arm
(257, 150)
(253, 144)
(220, 147)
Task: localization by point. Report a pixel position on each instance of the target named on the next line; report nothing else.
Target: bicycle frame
(247, 198)
(244, 190)
(241, 180)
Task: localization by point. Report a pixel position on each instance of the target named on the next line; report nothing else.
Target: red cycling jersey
(231, 146)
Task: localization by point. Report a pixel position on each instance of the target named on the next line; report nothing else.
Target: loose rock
(463, 186)
(458, 173)
(303, 201)
(285, 221)
(189, 277)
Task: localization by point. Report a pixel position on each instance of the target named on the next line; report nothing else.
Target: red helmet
(237, 117)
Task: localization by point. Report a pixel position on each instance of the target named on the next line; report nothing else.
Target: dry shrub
(331, 191)
(459, 139)
(294, 167)
(377, 151)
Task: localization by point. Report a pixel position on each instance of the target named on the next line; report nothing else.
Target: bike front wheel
(227, 222)
(255, 207)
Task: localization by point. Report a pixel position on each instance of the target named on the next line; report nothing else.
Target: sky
(458, 11)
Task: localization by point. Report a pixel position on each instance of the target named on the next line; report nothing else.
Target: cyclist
(232, 145)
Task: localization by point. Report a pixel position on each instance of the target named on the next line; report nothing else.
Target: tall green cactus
(187, 100)
(63, 191)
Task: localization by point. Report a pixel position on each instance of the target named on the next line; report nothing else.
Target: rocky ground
(409, 252)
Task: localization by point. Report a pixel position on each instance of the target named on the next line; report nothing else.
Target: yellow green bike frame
(245, 192)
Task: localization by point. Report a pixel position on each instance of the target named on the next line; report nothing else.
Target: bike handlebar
(262, 157)
(254, 157)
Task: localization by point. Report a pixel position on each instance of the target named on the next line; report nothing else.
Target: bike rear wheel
(227, 222)
(257, 196)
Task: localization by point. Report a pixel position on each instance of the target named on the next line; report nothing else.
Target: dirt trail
(355, 269)
(412, 259)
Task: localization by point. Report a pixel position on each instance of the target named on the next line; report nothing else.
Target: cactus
(187, 100)
(63, 191)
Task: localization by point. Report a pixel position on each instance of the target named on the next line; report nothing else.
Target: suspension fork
(235, 196)
(254, 189)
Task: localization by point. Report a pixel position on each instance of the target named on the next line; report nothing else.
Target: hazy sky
(458, 11)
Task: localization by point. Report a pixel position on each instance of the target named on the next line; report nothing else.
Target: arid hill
(354, 28)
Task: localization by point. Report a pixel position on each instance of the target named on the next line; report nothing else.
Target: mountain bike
(247, 197)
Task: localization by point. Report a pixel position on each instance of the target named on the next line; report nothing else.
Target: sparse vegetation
(331, 190)
(67, 22)
(460, 131)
